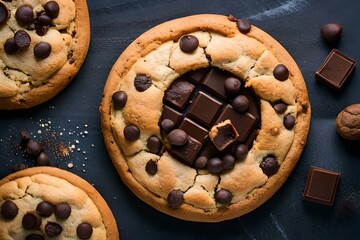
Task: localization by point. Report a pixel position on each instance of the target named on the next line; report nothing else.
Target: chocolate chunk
(10, 46)
(232, 85)
(167, 125)
(196, 76)
(331, 33)
(22, 39)
(45, 209)
(154, 144)
(44, 20)
(223, 134)
(18, 167)
(33, 148)
(42, 50)
(42, 160)
(41, 30)
(142, 82)
(171, 114)
(175, 198)
(201, 162)
(321, 186)
(151, 167)
(229, 161)
(9, 210)
(179, 93)
(269, 165)
(31, 221)
(178, 137)
(188, 152)
(223, 196)
(119, 99)
(194, 130)
(243, 25)
(232, 18)
(188, 43)
(281, 72)
(241, 103)
(289, 121)
(215, 165)
(25, 137)
(24, 15)
(53, 229)
(34, 237)
(241, 151)
(335, 70)
(62, 210)
(4, 14)
(131, 133)
(52, 9)
(204, 109)
(280, 108)
(84, 230)
(215, 82)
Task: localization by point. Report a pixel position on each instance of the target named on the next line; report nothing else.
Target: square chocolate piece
(336, 69)
(321, 186)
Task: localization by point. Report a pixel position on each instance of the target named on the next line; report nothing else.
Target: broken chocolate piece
(223, 134)
(188, 152)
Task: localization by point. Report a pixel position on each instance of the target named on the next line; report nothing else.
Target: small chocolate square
(336, 69)
(196, 76)
(188, 152)
(179, 94)
(173, 115)
(194, 130)
(321, 186)
(215, 81)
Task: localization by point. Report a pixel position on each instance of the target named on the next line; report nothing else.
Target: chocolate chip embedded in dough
(84, 230)
(22, 39)
(280, 108)
(281, 72)
(34, 237)
(41, 30)
(223, 196)
(24, 14)
(9, 210)
(42, 50)
(232, 18)
(18, 167)
(33, 148)
(289, 121)
(52, 9)
(142, 82)
(241, 152)
(215, 165)
(62, 210)
(228, 161)
(154, 144)
(269, 165)
(151, 167)
(188, 43)
(45, 209)
(241, 103)
(4, 14)
(175, 198)
(10, 46)
(131, 133)
(42, 160)
(53, 229)
(243, 25)
(31, 221)
(178, 137)
(119, 99)
(44, 20)
(201, 162)
(232, 85)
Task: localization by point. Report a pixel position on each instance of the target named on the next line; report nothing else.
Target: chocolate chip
(34, 237)
(44, 20)
(9, 210)
(241, 103)
(232, 85)
(243, 25)
(18, 167)
(52, 9)
(24, 14)
(154, 144)
(45, 209)
(281, 72)
(131, 133)
(151, 167)
(62, 210)
(53, 229)
(201, 162)
(84, 230)
(223, 196)
(33, 148)
(178, 137)
(280, 108)
(331, 33)
(22, 39)
(41, 30)
(42, 50)
(215, 165)
(269, 165)
(25, 137)
(167, 125)
(119, 99)
(289, 121)
(142, 82)
(241, 152)
(31, 221)
(10, 46)
(175, 198)
(232, 18)
(188, 43)
(4, 14)
(228, 161)
(42, 160)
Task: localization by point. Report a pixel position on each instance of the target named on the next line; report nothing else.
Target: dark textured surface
(296, 24)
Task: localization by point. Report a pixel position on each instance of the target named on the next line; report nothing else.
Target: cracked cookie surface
(141, 144)
(42, 47)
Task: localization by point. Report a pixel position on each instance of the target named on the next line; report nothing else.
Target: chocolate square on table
(321, 186)
(193, 129)
(179, 94)
(336, 69)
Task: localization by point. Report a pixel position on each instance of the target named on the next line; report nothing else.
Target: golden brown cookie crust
(105, 212)
(64, 75)
(173, 30)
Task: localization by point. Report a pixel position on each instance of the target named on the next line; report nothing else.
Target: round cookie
(42, 47)
(47, 202)
(205, 117)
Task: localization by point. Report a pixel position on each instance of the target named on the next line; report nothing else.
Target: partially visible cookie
(42, 47)
(50, 203)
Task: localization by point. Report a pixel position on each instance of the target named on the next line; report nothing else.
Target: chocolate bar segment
(336, 69)
(188, 152)
(215, 81)
(179, 93)
(194, 129)
(321, 186)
